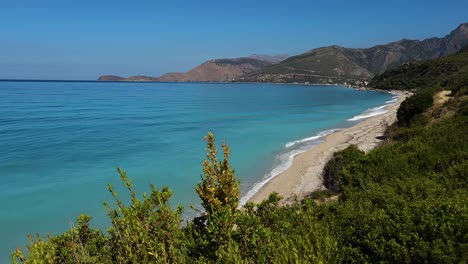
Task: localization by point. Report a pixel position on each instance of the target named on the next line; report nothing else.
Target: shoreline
(304, 175)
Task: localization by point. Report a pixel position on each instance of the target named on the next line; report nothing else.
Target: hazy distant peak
(270, 58)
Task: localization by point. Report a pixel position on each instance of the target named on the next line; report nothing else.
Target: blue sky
(83, 39)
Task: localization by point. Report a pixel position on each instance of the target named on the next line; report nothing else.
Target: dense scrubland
(404, 202)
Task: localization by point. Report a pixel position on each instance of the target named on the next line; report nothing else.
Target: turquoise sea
(60, 142)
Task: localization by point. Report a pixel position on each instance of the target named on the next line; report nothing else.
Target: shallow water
(60, 142)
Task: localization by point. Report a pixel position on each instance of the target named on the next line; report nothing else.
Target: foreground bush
(147, 231)
(80, 244)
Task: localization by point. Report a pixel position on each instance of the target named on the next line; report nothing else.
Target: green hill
(448, 73)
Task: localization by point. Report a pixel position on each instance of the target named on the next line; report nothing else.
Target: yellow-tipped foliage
(218, 187)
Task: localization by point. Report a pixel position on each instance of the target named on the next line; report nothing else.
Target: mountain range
(331, 64)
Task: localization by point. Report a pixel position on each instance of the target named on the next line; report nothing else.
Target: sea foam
(375, 111)
(285, 160)
(307, 139)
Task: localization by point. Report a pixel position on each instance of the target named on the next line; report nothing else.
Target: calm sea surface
(60, 142)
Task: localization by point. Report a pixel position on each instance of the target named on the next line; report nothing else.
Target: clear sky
(82, 39)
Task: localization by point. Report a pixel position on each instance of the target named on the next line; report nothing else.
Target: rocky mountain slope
(219, 70)
(335, 64)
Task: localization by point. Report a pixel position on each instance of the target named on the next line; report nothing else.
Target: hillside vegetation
(405, 202)
(449, 73)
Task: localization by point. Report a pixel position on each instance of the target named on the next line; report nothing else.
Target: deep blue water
(60, 142)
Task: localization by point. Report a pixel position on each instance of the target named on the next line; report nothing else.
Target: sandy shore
(305, 174)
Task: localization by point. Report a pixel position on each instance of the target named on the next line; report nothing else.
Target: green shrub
(218, 188)
(147, 231)
(80, 244)
(413, 106)
(321, 195)
(333, 170)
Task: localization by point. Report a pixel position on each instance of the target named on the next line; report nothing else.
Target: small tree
(218, 187)
(219, 192)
